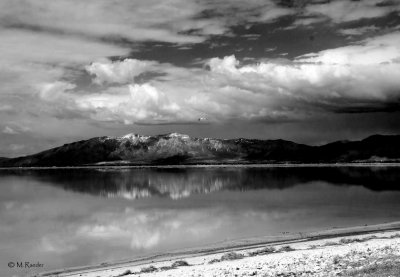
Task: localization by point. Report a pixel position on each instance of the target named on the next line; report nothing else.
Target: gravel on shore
(374, 255)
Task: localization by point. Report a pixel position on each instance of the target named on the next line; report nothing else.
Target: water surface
(74, 217)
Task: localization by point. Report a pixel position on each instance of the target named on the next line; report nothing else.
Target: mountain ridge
(175, 148)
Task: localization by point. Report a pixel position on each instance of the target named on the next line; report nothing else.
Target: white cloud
(306, 22)
(129, 104)
(364, 75)
(119, 71)
(358, 31)
(28, 60)
(236, 11)
(54, 91)
(14, 129)
(351, 76)
(44, 41)
(138, 20)
(372, 51)
(272, 13)
(133, 19)
(9, 131)
(19, 46)
(344, 11)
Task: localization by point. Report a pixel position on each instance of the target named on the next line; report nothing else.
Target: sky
(308, 71)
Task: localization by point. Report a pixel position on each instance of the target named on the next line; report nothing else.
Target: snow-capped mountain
(175, 148)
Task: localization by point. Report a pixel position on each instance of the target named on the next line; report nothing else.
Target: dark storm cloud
(370, 108)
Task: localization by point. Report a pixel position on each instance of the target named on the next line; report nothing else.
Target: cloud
(235, 12)
(362, 75)
(345, 11)
(359, 77)
(133, 20)
(305, 22)
(49, 50)
(21, 46)
(120, 71)
(178, 21)
(372, 51)
(127, 104)
(271, 13)
(46, 45)
(30, 59)
(15, 129)
(342, 11)
(358, 31)
(54, 91)
(16, 147)
(9, 131)
(52, 244)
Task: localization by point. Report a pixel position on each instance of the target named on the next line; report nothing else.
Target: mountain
(175, 148)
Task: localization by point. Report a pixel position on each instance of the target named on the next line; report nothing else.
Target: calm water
(64, 218)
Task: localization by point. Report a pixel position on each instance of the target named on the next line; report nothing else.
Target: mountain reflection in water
(177, 183)
(75, 217)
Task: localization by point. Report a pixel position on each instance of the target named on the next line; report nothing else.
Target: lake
(75, 217)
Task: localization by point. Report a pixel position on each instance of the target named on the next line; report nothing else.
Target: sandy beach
(357, 251)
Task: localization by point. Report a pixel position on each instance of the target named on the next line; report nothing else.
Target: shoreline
(261, 165)
(209, 252)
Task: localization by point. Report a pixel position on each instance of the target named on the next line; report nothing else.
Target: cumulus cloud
(45, 45)
(362, 76)
(126, 104)
(28, 60)
(120, 71)
(372, 51)
(48, 54)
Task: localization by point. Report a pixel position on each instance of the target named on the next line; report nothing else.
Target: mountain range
(174, 148)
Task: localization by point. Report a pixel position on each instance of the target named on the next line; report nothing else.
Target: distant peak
(134, 137)
(130, 135)
(177, 135)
